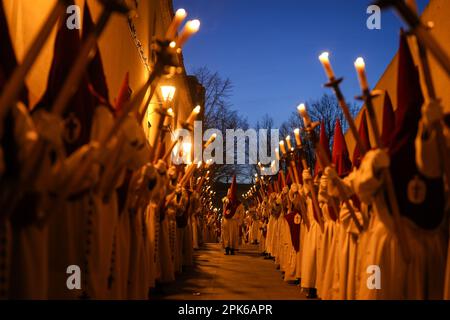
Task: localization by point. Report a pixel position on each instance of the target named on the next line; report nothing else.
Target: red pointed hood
(289, 178)
(326, 146)
(233, 190)
(388, 120)
(79, 111)
(8, 60)
(420, 199)
(364, 135)
(340, 157)
(95, 69)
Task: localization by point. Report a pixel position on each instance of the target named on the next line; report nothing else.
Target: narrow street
(245, 276)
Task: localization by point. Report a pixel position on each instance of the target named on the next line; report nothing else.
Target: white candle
(189, 30)
(361, 70)
(190, 120)
(277, 154)
(282, 147)
(178, 19)
(325, 60)
(288, 142)
(304, 114)
(210, 140)
(298, 139)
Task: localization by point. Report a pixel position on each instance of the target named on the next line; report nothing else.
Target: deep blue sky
(269, 48)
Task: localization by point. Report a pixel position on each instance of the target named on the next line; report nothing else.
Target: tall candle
(282, 147)
(277, 154)
(210, 140)
(180, 15)
(304, 114)
(361, 70)
(288, 142)
(189, 30)
(298, 139)
(190, 120)
(325, 60)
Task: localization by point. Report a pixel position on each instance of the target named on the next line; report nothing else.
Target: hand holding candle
(361, 70)
(325, 60)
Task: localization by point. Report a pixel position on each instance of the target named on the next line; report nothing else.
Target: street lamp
(168, 92)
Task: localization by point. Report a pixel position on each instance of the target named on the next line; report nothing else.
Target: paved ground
(245, 276)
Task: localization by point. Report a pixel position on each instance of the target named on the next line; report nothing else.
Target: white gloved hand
(330, 173)
(49, 126)
(431, 113)
(379, 158)
(306, 175)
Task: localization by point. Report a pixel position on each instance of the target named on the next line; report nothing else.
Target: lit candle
(325, 60)
(282, 147)
(180, 15)
(298, 139)
(189, 30)
(193, 115)
(169, 116)
(210, 140)
(277, 154)
(288, 142)
(304, 114)
(361, 70)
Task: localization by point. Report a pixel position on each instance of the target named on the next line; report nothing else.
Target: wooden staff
(386, 174)
(15, 84)
(420, 30)
(433, 100)
(325, 162)
(334, 83)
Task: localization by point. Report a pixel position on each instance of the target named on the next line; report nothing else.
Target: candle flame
(297, 131)
(196, 110)
(170, 112)
(324, 57)
(360, 64)
(181, 13)
(302, 108)
(288, 138)
(193, 26)
(173, 44)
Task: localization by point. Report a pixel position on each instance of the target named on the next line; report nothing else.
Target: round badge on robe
(417, 190)
(72, 128)
(297, 219)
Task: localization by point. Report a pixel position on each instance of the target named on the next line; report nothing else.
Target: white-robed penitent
(233, 214)
(309, 257)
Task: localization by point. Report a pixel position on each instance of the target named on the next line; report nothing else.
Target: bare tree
(220, 115)
(325, 110)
